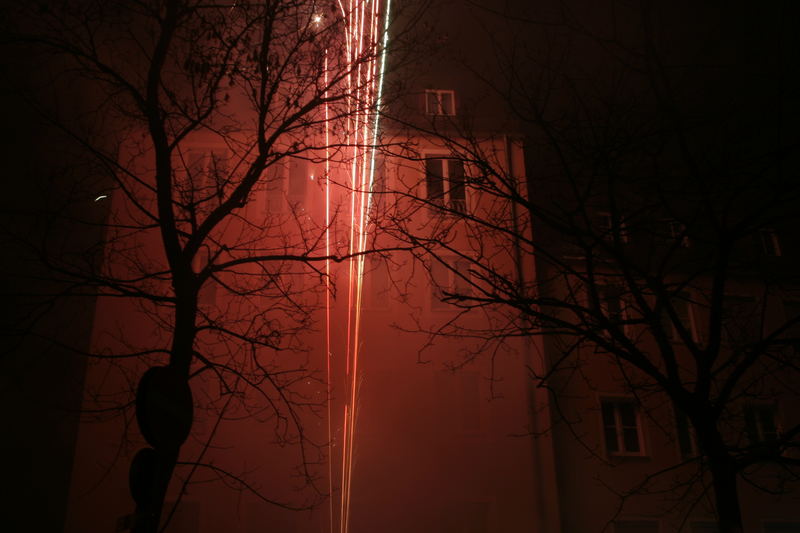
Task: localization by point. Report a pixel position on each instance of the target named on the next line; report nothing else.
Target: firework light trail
(364, 36)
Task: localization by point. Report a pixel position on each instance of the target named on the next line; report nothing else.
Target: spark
(364, 82)
(101, 197)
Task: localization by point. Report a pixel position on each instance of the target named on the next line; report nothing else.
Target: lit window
(621, 427)
(446, 184)
(439, 102)
(770, 242)
(759, 422)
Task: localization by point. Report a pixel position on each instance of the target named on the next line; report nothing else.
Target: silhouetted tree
(649, 236)
(200, 125)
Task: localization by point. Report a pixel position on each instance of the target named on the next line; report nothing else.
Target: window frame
(615, 402)
(440, 110)
(445, 203)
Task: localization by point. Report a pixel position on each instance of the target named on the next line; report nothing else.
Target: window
(770, 242)
(622, 427)
(445, 182)
(449, 276)
(438, 102)
(636, 526)
(759, 422)
(608, 230)
(687, 443)
(685, 315)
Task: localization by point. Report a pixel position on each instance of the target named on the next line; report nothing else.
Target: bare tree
(647, 239)
(207, 129)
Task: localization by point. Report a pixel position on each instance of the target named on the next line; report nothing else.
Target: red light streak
(364, 83)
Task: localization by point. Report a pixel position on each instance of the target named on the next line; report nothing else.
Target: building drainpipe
(547, 508)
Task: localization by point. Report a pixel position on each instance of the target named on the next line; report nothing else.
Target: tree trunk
(726, 492)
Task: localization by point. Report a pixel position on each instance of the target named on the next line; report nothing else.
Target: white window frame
(460, 205)
(436, 95)
(615, 402)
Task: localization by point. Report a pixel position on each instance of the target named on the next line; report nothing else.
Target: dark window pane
(631, 439)
(608, 414)
(456, 176)
(611, 439)
(433, 178)
(627, 413)
(769, 432)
